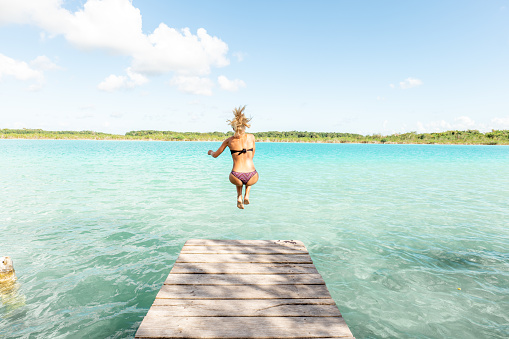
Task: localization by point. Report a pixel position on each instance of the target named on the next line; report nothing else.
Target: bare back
(242, 162)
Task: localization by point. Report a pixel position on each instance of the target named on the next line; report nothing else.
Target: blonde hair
(240, 121)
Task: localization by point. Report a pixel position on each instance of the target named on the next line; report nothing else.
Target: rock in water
(9, 295)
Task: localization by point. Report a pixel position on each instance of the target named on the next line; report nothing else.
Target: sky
(368, 67)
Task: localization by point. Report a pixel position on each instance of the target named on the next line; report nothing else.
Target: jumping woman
(242, 148)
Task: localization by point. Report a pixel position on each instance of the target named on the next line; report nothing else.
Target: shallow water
(94, 227)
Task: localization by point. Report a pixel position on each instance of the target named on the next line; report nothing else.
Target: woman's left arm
(220, 149)
(254, 144)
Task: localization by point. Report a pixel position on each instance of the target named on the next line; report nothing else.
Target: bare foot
(246, 201)
(240, 204)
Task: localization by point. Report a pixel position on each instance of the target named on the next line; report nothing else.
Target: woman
(242, 148)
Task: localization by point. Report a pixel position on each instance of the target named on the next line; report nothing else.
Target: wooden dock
(244, 289)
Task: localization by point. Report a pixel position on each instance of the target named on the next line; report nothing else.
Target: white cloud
(115, 82)
(113, 25)
(230, 85)
(409, 83)
(47, 13)
(434, 126)
(392, 86)
(116, 26)
(464, 122)
(43, 63)
(461, 123)
(182, 52)
(240, 56)
(18, 69)
(500, 123)
(193, 84)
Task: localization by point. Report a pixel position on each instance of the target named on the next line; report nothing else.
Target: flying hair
(239, 121)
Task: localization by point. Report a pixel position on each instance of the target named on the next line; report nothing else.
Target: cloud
(193, 84)
(409, 83)
(116, 27)
(230, 85)
(500, 123)
(464, 122)
(115, 82)
(240, 56)
(434, 126)
(18, 69)
(461, 123)
(43, 63)
(182, 52)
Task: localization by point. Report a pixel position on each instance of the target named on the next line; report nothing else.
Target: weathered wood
(246, 258)
(244, 279)
(244, 289)
(252, 249)
(243, 268)
(243, 327)
(212, 242)
(244, 308)
(243, 292)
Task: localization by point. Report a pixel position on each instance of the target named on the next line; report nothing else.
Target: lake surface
(412, 240)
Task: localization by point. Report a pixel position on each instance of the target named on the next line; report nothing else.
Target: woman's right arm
(220, 149)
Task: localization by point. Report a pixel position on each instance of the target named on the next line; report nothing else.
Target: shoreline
(453, 137)
(372, 142)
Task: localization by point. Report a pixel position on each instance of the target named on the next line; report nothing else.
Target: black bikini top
(241, 152)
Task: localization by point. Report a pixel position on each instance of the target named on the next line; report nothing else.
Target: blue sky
(340, 66)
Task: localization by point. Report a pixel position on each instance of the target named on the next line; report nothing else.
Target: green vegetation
(470, 137)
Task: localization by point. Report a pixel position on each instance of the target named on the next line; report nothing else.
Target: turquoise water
(94, 227)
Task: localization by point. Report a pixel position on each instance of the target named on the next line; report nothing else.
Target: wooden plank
(245, 308)
(246, 258)
(212, 242)
(243, 268)
(244, 279)
(244, 249)
(243, 292)
(244, 327)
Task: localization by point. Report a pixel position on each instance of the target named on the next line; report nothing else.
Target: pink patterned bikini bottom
(244, 177)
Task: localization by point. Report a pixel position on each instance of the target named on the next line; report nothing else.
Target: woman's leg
(246, 196)
(239, 197)
(251, 182)
(238, 184)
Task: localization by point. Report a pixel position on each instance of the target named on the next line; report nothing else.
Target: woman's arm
(220, 149)
(254, 144)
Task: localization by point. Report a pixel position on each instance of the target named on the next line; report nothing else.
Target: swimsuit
(242, 151)
(244, 177)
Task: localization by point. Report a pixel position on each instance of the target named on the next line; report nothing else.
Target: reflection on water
(394, 230)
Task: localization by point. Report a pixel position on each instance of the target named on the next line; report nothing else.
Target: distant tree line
(474, 137)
